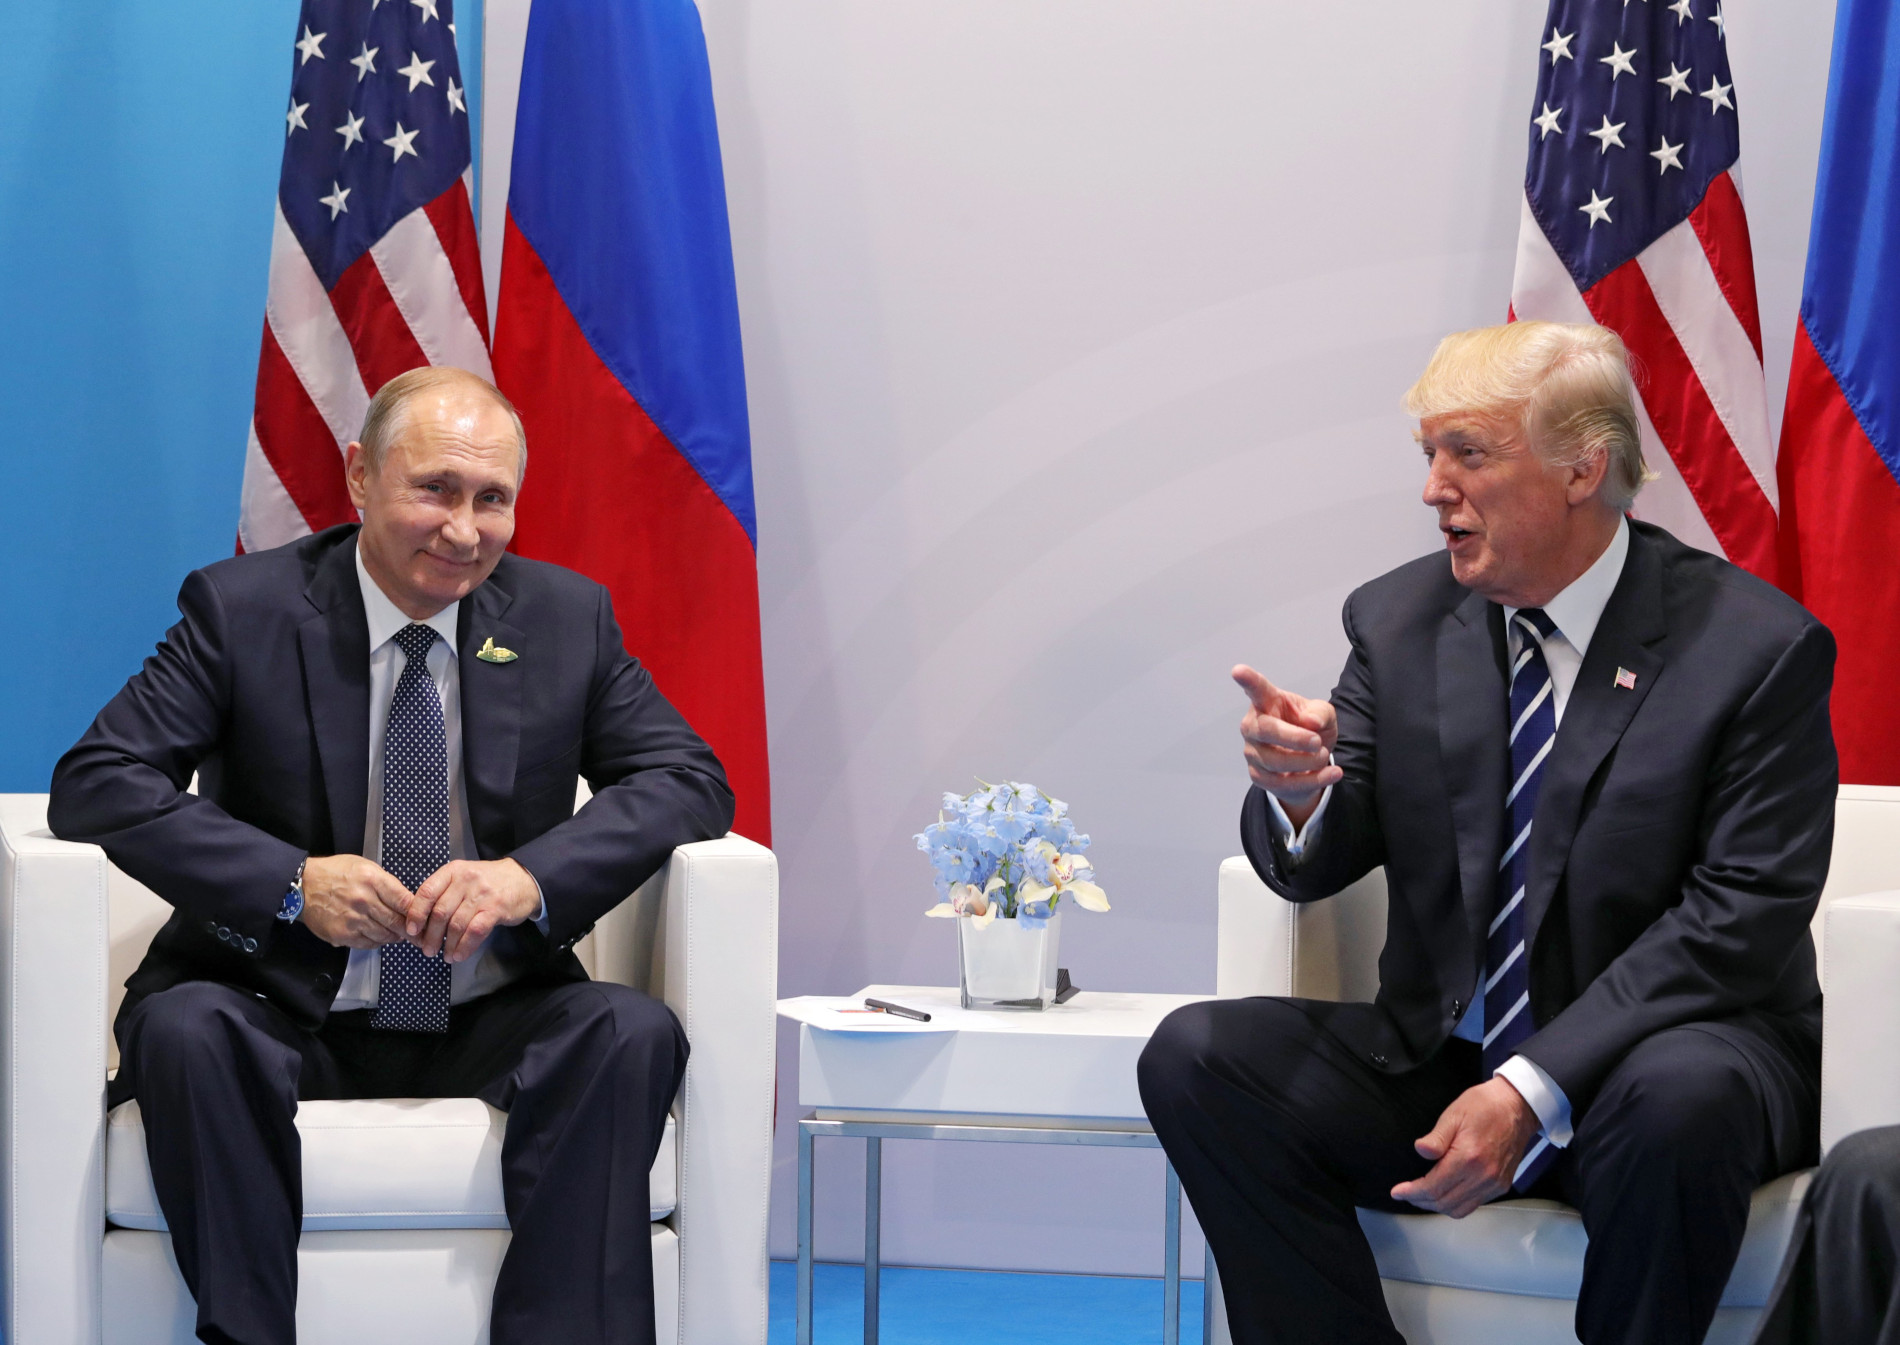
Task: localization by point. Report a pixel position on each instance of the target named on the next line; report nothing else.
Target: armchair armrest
(53, 935)
(1267, 945)
(702, 935)
(1860, 1035)
(1254, 935)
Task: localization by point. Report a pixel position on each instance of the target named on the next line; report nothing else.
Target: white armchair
(403, 1227)
(1511, 1270)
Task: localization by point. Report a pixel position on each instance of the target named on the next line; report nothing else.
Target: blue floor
(981, 1307)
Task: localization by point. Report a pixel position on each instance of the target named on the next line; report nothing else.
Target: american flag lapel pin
(1626, 679)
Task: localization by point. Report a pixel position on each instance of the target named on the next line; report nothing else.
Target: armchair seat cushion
(393, 1163)
(1535, 1247)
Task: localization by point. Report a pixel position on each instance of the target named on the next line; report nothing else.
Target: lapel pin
(489, 653)
(1626, 679)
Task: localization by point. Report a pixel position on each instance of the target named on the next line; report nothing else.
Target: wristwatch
(293, 899)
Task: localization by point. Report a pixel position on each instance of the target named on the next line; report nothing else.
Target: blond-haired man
(1597, 767)
(380, 881)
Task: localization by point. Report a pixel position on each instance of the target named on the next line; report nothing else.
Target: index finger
(1430, 1187)
(1264, 694)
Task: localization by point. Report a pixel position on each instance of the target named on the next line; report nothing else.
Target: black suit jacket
(1683, 826)
(263, 690)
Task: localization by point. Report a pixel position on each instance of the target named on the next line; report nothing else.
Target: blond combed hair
(1566, 387)
(388, 413)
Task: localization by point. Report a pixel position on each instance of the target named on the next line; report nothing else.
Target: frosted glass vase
(1007, 965)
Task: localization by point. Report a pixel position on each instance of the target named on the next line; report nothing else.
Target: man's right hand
(1288, 742)
(352, 902)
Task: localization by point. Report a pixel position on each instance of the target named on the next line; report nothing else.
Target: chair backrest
(1339, 940)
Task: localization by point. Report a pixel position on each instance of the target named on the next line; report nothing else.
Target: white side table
(1065, 1075)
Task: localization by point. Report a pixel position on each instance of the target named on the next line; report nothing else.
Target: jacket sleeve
(656, 785)
(1768, 826)
(122, 786)
(1350, 844)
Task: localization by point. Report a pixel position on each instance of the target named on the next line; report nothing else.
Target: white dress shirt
(484, 972)
(1575, 612)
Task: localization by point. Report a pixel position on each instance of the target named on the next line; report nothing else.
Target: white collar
(1577, 610)
(385, 618)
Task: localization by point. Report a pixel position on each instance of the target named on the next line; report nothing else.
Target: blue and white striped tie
(1507, 982)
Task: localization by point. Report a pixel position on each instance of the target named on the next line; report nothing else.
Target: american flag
(1633, 219)
(374, 267)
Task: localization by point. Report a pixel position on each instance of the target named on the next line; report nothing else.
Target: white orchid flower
(1068, 873)
(966, 899)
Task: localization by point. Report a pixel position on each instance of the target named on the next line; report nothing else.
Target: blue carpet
(981, 1307)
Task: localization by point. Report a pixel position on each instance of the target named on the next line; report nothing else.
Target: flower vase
(1007, 963)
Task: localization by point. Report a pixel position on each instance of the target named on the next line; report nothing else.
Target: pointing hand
(1288, 742)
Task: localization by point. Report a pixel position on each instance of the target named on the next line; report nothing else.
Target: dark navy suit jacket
(1683, 826)
(263, 690)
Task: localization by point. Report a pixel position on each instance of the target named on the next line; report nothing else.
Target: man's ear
(356, 472)
(1586, 478)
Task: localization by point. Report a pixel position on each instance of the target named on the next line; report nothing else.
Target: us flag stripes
(374, 266)
(1633, 218)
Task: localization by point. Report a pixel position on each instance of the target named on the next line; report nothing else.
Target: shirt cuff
(540, 910)
(1544, 1096)
(1283, 826)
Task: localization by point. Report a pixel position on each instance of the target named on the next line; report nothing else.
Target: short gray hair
(1567, 386)
(388, 409)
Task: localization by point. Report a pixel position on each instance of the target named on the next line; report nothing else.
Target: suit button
(324, 981)
(211, 928)
(250, 945)
(224, 934)
(1378, 1060)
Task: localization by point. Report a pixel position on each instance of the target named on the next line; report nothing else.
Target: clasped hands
(353, 902)
(1484, 1134)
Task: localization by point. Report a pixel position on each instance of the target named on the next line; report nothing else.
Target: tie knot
(1538, 621)
(415, 639)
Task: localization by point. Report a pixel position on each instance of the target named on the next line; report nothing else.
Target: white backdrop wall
(1074, 335)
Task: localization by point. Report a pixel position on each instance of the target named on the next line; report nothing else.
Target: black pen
(914, 1014)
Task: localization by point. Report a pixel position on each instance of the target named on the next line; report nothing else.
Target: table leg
(804, 1236)
(1171, 1263)
(873, 1214)
(1210, 1295)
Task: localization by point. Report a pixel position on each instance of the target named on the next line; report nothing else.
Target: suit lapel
(1595, 716)
(491, 715)
(1473, 743)
(334, 644)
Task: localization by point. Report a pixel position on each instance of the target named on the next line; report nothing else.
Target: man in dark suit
(379, 884)
(1616, 1006)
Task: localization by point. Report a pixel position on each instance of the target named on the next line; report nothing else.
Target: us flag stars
(352, 91)
(1600, 202)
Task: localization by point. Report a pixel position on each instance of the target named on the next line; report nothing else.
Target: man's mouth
(1456, 533)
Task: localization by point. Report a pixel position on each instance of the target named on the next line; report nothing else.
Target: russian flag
(1839, 465)
(617, 337)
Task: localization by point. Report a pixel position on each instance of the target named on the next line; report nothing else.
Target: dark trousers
(1278, 1131)
(1840, 1281)
(585, 1071)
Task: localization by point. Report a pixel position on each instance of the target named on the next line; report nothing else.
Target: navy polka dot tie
(412, 994)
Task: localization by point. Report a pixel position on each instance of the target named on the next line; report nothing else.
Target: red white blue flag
(617, 337)
(374, 268)
(1633, 219)
(1840, 434)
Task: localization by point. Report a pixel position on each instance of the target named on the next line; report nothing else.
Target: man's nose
(1438, 490)
(460, 529)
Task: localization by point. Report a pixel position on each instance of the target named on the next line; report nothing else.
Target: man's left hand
(461, 903)
(1475, 1149)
